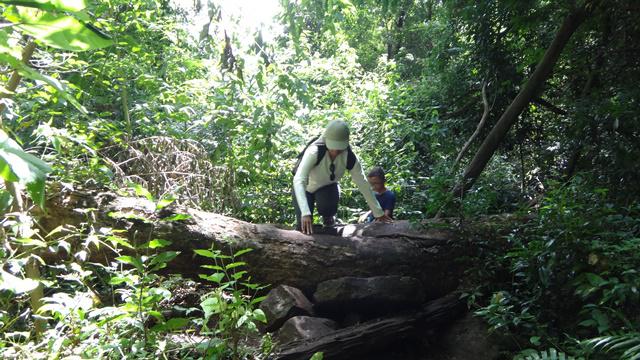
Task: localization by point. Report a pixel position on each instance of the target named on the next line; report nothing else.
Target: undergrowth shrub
(571, 270)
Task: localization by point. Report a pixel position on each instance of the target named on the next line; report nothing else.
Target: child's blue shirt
(387, 201)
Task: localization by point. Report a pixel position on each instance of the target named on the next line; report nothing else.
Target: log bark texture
(356, 342)
(280, 256)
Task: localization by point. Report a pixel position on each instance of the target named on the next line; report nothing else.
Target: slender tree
(529, 91)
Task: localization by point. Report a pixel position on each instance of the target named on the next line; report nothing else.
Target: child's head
(376, 179)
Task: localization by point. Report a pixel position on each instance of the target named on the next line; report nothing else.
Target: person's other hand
(384, 218)
(306, 224)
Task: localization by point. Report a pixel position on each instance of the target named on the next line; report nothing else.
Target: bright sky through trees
(243, 17)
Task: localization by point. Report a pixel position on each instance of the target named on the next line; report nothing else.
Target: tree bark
(528, 92)
(279, 256)
(355, 342)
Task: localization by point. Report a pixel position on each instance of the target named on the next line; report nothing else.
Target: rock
(466, 339)
(372, 295)
(305, 327)
(282, 303)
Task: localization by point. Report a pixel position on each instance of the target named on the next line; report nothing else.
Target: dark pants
(326, 198)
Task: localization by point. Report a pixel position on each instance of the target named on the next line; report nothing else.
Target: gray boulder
(305, 327)
(284, 302)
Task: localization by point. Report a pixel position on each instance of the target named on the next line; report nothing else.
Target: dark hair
(377, 172)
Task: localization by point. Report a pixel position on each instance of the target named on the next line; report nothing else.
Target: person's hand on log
(384, 218)
(306, 224)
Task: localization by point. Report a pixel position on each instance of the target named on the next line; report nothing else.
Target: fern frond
(549, 354)
(628, 344)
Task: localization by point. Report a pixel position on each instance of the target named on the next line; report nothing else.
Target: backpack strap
(322, 150)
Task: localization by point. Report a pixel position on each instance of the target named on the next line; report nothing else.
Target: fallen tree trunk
(367, 338)
(279, 256)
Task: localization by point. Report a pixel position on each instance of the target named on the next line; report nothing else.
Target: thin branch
(550, 106)
(12, 85)
(483, 120)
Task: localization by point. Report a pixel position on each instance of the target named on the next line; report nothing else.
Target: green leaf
(119, 280)
(33, 74)
(257, 300)
(238, 275)
(594, 279)
(50, 5)
(317, 356)
(163, 258)
(58, 30)
(5, 200)
(177, 217)
(157, 243)
(535, 340)
(235, 265)
(242, 252)
(126, 259)
(213, 267)
(120, 241)
(164, 203)
(205, 253)
(216, 278)
(15, 284)
(142, 191)
(32, 242)
(210, 306)
(18, 166)
(259, 315)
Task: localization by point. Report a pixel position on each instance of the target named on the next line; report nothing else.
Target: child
(386, 198)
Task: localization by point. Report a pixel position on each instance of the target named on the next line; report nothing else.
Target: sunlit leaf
(120, 241)
(164, 203)
(157, 243)
(16, 284)
(142, 191)
(177, 217)
(59, 30)
(126, 259)
(18, 166)
(50, 5)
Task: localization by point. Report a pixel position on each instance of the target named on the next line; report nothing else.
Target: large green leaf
(50, 5)
(18, 166)
(58, 30)
(16, 284)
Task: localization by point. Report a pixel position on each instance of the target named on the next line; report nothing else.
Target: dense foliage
(125, 95)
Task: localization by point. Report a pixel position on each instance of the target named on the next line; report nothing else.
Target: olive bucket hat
(336, 135)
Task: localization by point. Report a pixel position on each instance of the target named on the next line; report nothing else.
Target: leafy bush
(577, 254)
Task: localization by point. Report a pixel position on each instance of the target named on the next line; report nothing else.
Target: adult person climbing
(316, 178)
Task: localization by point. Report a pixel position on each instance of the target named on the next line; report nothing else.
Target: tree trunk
(358, 341)
(279, 256)
(529, 91)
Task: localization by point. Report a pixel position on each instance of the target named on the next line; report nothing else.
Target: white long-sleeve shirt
(310, 178)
